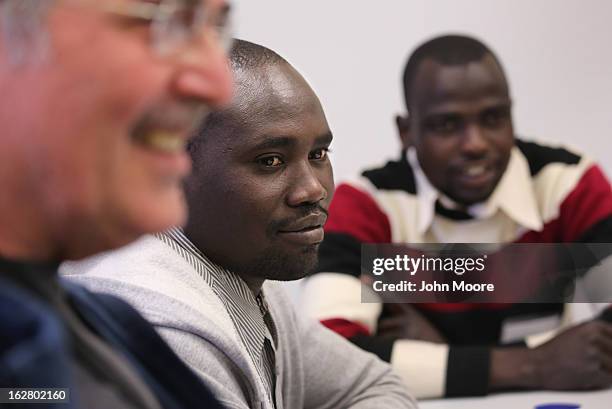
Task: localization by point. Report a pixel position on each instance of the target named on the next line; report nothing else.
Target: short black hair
(448, 50)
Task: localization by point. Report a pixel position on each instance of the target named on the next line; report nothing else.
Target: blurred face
(104, 121)
(259, 198)
(461, 127)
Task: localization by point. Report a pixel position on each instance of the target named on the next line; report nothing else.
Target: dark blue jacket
(34, 350)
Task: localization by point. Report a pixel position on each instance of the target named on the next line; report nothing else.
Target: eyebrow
(325, 139)
(273, 142)
(445, 110)
(502, 105)
(226, 10)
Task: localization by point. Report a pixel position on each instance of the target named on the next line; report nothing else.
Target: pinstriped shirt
(249, 313)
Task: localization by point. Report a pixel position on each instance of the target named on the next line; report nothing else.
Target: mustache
(303, 211)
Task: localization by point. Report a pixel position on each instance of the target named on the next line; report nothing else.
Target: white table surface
(524, 400)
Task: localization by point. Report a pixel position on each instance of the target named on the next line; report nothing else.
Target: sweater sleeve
(430, 370)
(337, 374)
(584, 216)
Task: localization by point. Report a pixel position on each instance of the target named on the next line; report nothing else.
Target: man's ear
(403, 129)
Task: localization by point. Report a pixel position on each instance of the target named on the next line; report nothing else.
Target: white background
(557, 55)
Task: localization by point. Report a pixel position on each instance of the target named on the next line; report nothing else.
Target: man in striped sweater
(462, 177)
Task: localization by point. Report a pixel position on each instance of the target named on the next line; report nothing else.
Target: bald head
(247, 56)
(267, 89)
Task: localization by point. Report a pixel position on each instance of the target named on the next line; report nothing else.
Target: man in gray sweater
(258, 197)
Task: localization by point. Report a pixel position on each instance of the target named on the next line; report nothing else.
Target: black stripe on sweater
(395, 175)
(538, 156)
(340, 253)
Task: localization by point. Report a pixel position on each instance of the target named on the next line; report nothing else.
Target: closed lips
(308, 223)
(308, 228)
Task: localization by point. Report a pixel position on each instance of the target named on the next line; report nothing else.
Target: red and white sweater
(547, 195)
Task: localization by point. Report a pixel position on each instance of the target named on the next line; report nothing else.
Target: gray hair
(22, 29)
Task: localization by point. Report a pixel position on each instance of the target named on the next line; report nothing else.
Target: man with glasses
(98, 100)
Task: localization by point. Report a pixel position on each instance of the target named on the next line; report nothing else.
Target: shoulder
(144, 262)
(557, 171)
(394, 175)
(34, 349)
(158, 282)
(26, 320)
(572, 192)
(540, 155)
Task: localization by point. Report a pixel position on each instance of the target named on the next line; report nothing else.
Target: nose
(306, 187)
(475, 143)
(204, 73)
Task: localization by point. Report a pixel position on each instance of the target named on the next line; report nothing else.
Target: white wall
(557, 54)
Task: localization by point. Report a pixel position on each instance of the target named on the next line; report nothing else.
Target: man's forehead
(283, 130)
(274, 94)
(273, 140)
(439, 84)
(263, 127)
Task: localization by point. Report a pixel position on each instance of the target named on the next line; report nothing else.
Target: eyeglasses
(174, 23)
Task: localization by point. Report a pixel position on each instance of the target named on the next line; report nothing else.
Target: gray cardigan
(315, 367)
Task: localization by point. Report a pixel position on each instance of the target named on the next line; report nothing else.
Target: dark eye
(319, 154)
(494, 118)
(271, 161)
(443, 124)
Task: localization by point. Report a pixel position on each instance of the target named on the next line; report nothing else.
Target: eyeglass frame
(159, 15)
